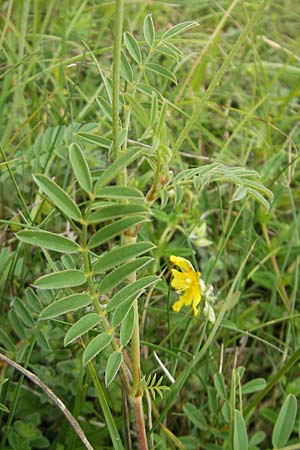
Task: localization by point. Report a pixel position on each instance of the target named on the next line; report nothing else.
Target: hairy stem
(122, 180)
(116, 76)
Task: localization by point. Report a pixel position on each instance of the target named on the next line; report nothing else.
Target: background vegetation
(219, 94)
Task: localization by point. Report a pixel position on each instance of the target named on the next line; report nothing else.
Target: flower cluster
(193, 289)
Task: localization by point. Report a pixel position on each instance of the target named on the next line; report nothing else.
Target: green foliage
(207, 168)
(285, 422)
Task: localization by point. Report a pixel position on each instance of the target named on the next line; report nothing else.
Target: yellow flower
(186, 281)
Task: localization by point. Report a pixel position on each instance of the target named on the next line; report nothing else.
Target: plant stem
(93, 292)
(122, 180)
(140, 423)
(136, 368)
(135, 350)
(113, 431)
(118, 29)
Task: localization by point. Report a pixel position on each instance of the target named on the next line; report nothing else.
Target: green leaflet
(58, 197)
(121, 273)
(195, 416)
(240, 438)
(285, 422)
(135, 288)
(50, 241)
(254, 385)
(6, 341)
(22, 312)
(118, 192)
(33, 300)
(114, 229)
(127, 328)
(220, 385)
(17, 324)
(112, 367)
(95, 346)
(162, 71)
(148, 29)
(81, 168)
(124, 160)
(118, 255)
(62, 279)
(121, 311)
(178, 28)
(65, 305)
(117, 210)
(81, 327)
(133, 47)
(126, 69)
(94, 139)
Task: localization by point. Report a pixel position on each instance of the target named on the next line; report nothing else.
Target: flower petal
(183, 263)
(187, 297)
(179, 281)
(195, 311)
(177, 305)
(196, 294)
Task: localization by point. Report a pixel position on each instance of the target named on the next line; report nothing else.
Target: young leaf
(285, 422)
(121, 311)
(93, 139)
(112, 367)
(120, 254)
(154, 109)
(257, 438)
(135, 288)
(42, 341)
(81, 168)
(124, 160)
(58, 196)
(63, 279)
(117, 210)
(133, 47)
(240, 438)
(33, 300)
(22, 312)
(126, 69)
(148, 29)
(161, 71)
(114, 229)
(253, 386)
(139, 111)
(127, 328)
(81, 327)
(220, 385)
(6, 342)
(179, 28)
(17, 324)
(96, 346)
(121, 273)
(50, 241)
(65, 305)
(195, 416)
(119, 192)
(105, 107)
